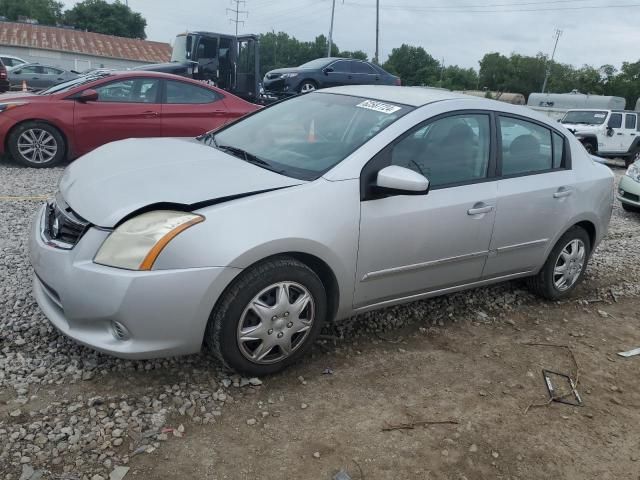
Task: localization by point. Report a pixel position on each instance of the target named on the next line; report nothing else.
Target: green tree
(457, 78)
(495, 72)
(279, 50)
(358, 54)
(110, 18)
(413, 65)
(46, 12)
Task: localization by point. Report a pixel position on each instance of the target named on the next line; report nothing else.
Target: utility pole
(237, 12)
(376, 60)
(547, 72)
(333, 13)
(441, 72)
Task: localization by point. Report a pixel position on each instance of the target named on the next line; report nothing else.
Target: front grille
(62, 226)
(631, 196)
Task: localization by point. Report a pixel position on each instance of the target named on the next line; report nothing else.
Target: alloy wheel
(307, 87)
(569, 265)
(37, 145)
(276, 323)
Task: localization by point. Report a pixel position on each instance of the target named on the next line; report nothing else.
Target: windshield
(318, 63)
(76, 82)
(179, 53)
(594, 117)
(306, 136)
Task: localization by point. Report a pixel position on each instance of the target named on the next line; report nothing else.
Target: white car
(11, 62)
(606, 133)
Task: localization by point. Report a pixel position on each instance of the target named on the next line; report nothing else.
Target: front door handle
(563, 192)
(150, 114)
(480, 209)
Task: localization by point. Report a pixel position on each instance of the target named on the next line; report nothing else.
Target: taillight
(3, 72)
(398, 82)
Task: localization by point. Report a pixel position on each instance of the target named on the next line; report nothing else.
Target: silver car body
(373, 253)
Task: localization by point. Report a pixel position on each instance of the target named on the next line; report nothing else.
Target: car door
(363, 73)
(611, 142)
(535, 196)
(126, 108)
(629, 133)
(31, 74)
(189, 110)
(414, 244)
(338, 73)
(51, 76)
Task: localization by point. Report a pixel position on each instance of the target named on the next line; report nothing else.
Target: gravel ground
(69, 412)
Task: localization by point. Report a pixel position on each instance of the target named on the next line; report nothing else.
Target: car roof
(11, 56)
(413, 96)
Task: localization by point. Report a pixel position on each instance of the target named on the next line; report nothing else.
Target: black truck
(229, 62)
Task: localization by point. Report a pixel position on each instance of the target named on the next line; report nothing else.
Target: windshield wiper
(208, 138)
(247, 157)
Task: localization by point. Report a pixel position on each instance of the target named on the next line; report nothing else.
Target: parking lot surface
(361, 402)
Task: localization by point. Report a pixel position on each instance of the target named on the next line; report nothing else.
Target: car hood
(284, 70)
(582, 127)
(120, 178)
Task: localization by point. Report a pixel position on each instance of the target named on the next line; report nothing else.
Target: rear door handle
(150, 114)
(563, 192)
(479, 209)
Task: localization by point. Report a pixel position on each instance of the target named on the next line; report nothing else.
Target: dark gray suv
(325, 72)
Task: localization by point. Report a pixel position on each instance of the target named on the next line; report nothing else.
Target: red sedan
(72, 118)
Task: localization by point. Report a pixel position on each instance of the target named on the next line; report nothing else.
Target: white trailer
(555, 105)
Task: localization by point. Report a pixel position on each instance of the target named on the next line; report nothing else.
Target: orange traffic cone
(312, 132)
(24, 86)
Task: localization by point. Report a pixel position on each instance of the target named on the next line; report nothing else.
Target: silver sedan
(247, 240)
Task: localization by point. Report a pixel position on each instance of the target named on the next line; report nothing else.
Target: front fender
(320, 218)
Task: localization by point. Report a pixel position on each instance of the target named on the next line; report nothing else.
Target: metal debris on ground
(560, 397)
(572, 380)
(327, 371)
(417, 423)
(630, 353)
(118, 473)
(341, 475)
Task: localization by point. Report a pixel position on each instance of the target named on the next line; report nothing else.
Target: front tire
(565, 266)
(37, 145)
(268, 318)
(632, 158)
(307, 86)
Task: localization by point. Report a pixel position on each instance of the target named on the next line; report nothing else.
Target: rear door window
(186, 93)
(526, 147)
(362, 67)
(630, 121)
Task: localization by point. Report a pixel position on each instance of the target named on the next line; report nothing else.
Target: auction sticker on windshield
(600, 115)
(379, 106)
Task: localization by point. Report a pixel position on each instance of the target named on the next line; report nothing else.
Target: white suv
(606, 133)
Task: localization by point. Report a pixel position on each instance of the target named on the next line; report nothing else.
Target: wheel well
(327, 277)
(590, 228)
(67, 146)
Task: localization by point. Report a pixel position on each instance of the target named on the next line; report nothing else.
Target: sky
(594, 32)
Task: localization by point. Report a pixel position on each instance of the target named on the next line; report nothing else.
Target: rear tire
(251, 321)
(37, 145)
(565, 267)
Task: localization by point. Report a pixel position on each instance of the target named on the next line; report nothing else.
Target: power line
(470, 8)
(237, 13)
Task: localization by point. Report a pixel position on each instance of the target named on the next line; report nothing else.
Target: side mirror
(88, 95)
(401, 181)
(609, 132)
(327, 70)
(17, 72)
